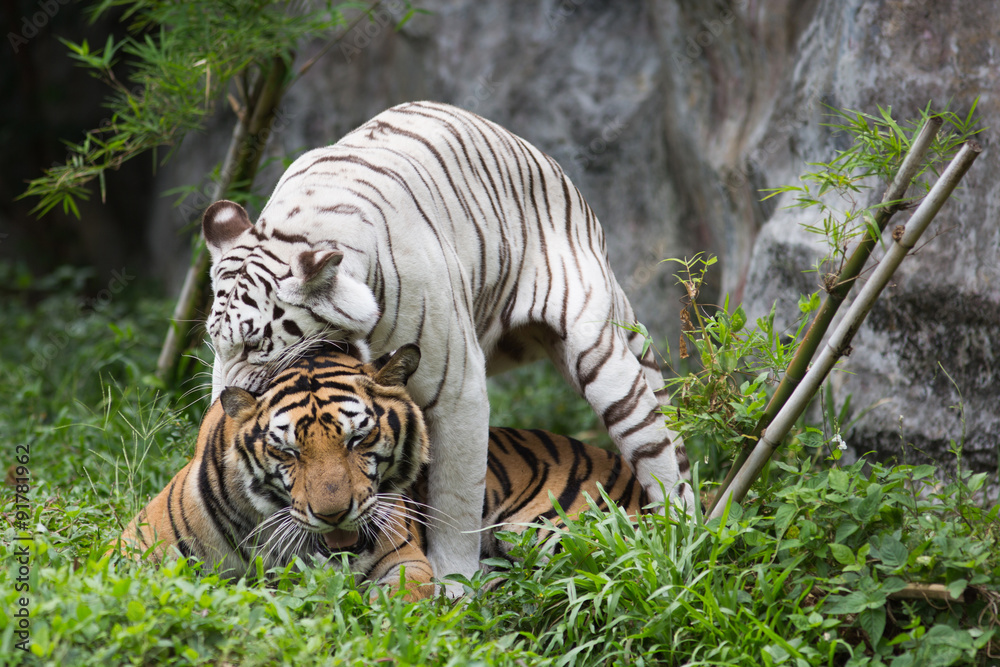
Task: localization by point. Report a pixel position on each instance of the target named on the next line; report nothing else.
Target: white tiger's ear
(395, 369)
(319, 282)
(222, 224)
(238, 403)
(316, 268)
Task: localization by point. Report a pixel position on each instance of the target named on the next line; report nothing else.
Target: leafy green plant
(870, 535)
(182, 58)
(837, 189)
(735, 366)
(879, 147)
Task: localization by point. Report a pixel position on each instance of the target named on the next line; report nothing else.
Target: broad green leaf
(976, 481)
(783, 517)
(876, 598)
(739, 318)
(121, 587)
(957, 587)
(893, 552)
(869, 505)
(852, 603)
(845, 530)
(891, 585)
(905, 660)
(843, 554)
(839, 480)
(135, 611)
(872, 621)
(941, 636)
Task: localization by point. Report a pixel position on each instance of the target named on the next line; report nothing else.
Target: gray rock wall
(670, 115)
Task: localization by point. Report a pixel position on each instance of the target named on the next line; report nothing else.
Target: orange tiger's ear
(222, 223)
(398, 368)
(238, 403)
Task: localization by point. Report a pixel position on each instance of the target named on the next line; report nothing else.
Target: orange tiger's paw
(413, 584)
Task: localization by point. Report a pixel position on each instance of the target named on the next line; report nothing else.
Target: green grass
(807, 573)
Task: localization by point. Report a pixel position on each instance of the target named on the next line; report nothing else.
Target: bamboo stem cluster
(849, 273)
(840, 340)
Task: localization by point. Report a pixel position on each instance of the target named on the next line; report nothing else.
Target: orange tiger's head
(324, 451)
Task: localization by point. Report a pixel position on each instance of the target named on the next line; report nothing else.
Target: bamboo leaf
(174, 97)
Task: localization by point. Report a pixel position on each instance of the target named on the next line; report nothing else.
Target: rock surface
(670, 116)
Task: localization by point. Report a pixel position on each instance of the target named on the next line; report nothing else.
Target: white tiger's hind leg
(654, 378)
(602, 361)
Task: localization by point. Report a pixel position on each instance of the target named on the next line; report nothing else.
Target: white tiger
(431, 225)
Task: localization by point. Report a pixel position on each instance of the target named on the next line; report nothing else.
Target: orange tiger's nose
(332, 518)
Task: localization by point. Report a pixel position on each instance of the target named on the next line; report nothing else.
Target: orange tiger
(326, 461)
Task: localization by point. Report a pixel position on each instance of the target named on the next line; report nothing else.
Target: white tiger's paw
(453, 589)
(679, 498)
(464, 568)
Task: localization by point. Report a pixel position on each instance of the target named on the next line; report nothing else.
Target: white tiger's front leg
(458, 426)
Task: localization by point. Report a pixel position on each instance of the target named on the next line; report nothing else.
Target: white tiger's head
(275, 298)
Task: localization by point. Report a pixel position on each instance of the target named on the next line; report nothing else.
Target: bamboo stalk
(842, 335)
(845, 281)
(246, 148)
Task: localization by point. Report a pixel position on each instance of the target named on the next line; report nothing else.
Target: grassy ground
(809, 573)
